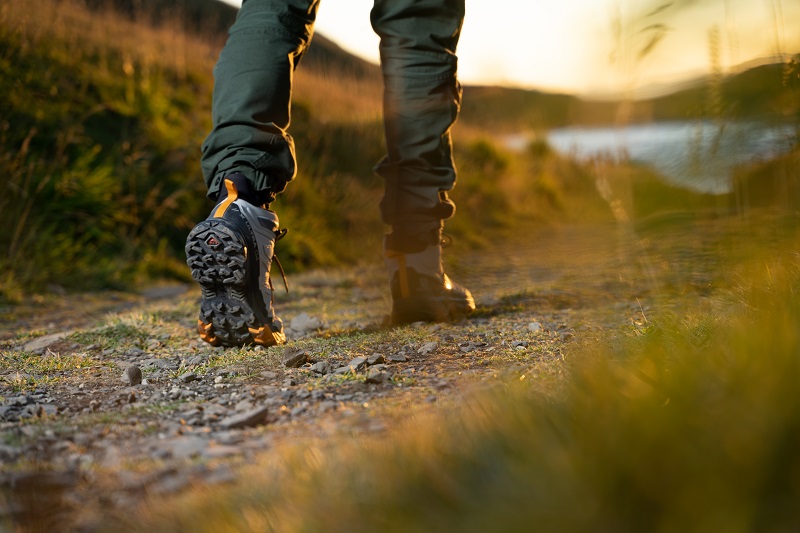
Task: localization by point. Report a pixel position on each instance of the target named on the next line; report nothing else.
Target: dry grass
(83, 33)
(688, 423)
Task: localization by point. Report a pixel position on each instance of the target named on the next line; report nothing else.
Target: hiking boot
(421, 291)
(230, 254)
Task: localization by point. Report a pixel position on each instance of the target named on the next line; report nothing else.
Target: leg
(252, 96)
(248, 158)
(422, 98)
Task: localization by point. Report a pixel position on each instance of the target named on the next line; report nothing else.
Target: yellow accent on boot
(206, 333)
(266, 337)
(233, 194)
(402, 278)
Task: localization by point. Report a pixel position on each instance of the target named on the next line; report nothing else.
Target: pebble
(427, 348)
(186, 447)
(358, 363)
(321, 367)
(376, 359)
(253, 417)
(294, 358)
(41, 343)
(397, 358)
(132, 375)
(228, 437)
(376, 376)
(535, 327)
(220, 451)
(244, 405)
(188, 377)
(196, 360)
(8, 453)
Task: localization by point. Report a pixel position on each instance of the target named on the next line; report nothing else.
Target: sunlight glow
(567, 45)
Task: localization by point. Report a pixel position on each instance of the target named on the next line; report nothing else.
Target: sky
(571, 46)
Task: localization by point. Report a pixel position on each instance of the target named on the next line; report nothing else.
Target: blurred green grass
(689, 421)
(102, 121)
(102, 116)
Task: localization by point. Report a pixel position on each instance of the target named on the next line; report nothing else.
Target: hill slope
(102, 118)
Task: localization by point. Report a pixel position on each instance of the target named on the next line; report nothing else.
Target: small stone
(41, 343)
(132, 375)
(397, 358)
(219, 379)
(343, 370)
(188, 377)
(8, 453)
(134, 352)
(427, 348)
(535, 327)
(519, 344)
(18, 400)
(375, 359)
(244, 405)
(327, 405)
(253, 417)
(186, 447)
(322, 367)
(294, 358)
(47, 409)
(358, 364)
(220, 451)
(228, 437)
(195, 360)
(376, 376)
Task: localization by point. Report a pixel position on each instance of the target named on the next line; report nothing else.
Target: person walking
(248, 159)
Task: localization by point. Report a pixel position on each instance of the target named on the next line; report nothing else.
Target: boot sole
(217, 258)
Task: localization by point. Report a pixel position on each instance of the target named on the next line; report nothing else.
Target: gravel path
(99, 409)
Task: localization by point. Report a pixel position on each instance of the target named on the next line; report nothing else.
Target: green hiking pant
(422, 96)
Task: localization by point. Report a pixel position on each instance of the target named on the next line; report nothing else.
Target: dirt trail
(78, 439)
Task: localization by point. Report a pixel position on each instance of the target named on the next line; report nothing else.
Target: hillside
(102, 118)
(756, 92)
(103, 114)
(632, 363)
(210, 19)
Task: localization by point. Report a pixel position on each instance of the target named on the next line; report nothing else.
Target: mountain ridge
(749, 90)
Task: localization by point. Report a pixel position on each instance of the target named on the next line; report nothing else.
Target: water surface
(699, 155)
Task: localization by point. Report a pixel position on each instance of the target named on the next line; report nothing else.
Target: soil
(81, 436)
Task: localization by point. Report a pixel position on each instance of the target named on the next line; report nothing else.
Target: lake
(699, 155)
